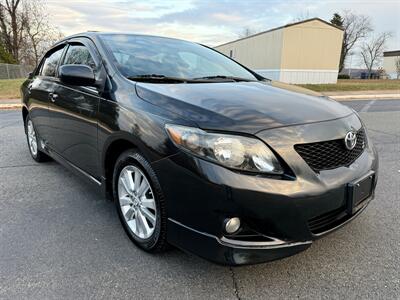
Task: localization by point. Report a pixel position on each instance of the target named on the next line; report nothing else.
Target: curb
(364, 97)
(10, 106)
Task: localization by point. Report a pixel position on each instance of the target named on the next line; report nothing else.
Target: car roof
(95, 34)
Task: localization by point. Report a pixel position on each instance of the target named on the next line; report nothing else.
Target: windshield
(137, 55)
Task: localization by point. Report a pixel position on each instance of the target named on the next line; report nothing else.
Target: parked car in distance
(196, 150)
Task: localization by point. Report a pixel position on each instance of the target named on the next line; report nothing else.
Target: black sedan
(195, 149)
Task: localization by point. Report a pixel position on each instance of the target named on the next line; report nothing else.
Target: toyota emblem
(350, 140)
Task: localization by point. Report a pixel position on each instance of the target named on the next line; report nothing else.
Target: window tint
(50, 64)
(79, 55)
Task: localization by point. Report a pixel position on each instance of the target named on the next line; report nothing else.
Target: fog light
(232, 225)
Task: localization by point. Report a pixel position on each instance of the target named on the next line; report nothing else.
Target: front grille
(327, 221)
(331, 154)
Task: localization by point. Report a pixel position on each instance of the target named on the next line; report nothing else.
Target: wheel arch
(113, 148)
(25, 113)
(115, 145)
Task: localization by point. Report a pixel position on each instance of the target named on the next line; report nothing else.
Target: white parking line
(367, 106)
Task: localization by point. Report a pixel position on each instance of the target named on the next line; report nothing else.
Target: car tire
(33, 142)
(129, 166)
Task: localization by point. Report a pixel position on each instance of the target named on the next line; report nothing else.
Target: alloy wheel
(32, 138)
(137, 202)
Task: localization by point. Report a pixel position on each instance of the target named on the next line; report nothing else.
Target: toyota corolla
(196, 150)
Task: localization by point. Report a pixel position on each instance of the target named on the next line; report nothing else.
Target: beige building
(303, 52)
(389, 63)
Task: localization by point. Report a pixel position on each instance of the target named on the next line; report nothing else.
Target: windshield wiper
(231, 78)
(158, 78)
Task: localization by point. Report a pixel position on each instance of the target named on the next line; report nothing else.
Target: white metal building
(302, 52)
(389, 63)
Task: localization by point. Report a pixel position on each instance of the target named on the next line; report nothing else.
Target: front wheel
(139, 202)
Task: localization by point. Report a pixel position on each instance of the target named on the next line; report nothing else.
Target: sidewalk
(363, 95)
(10, 104)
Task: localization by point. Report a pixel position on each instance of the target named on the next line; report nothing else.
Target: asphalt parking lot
(60, 239)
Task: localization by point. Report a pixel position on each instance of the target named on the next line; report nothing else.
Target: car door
(42, 84)
(73, 113)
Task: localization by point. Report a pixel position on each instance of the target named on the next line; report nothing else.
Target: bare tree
(372, 51)
(356, 28)
(397, 64)
(12, 24)
(40, 34)
(25, 30)
(36, 27)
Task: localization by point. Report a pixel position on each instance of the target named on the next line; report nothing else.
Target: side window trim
(88, 44)
(40, 66)
(66, 47)
(63, 46)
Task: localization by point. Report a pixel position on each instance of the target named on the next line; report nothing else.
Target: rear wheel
(32, 139)
(139, 201)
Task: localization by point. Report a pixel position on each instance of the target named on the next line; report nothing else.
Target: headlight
(237, 152)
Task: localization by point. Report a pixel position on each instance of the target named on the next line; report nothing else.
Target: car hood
(240, 106)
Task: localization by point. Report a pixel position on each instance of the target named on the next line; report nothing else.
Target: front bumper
(222, 252)
(201, 195)
(231, 252)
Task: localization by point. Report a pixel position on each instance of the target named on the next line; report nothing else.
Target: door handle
(53, 97)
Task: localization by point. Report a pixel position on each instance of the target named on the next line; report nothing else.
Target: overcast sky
(212, 22)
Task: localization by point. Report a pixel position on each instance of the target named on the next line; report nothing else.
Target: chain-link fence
(8, 71)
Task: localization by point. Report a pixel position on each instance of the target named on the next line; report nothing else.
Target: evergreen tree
(337, 20)
(5, 56)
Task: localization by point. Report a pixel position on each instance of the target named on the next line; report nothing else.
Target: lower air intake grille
(327, 221)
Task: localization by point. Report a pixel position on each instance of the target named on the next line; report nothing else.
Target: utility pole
(351, 60)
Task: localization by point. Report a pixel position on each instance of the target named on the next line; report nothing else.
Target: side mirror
(77, 75)
(30, 75)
